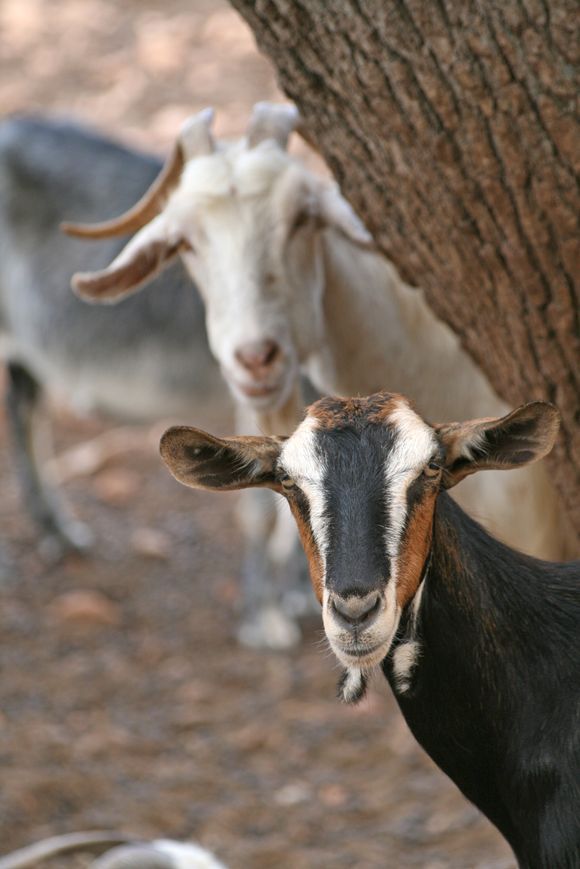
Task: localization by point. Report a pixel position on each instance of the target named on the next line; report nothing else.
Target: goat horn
(33, 854)
(135, 857)
(272, 121)
(194, 140)
(143, 211)
(195, 135)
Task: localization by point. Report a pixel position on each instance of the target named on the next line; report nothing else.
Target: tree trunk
(449, 125)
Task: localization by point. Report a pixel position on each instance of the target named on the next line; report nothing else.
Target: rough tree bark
(450, 126)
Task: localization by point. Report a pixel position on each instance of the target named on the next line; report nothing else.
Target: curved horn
(33, 854)
(272, 121)
(135, 857)
(194, 140)
(143, 211)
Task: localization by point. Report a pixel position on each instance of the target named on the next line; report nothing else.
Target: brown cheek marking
(311, 550)
(415, 548)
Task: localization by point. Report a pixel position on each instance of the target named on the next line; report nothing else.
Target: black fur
(494, 697)
(354, 488)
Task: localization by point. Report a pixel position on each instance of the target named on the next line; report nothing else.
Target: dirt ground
(125, 702)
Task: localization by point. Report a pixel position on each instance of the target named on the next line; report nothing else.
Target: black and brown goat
(479, 643)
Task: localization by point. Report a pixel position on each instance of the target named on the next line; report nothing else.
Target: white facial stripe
(397, 501)
(413, 447)
(303, 463)
(414, 442)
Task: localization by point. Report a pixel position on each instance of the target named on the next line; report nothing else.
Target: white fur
(303, 463)
(416, 605)
(404, 659)
(234, 170)
(476, 442)
(187, 856)
(378, 637)
(412, 449)
(415, 441)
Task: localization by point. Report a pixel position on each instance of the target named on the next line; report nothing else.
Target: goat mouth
(363, 656)
(257, 390)
(263, 396)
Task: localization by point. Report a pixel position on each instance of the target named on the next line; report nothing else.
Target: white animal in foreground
(128, 853)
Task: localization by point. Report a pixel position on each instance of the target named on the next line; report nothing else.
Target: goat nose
(258, 354)
(355, 610)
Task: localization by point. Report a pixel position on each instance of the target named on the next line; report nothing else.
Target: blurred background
(125, 700)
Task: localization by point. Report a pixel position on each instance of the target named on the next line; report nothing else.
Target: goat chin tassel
(352, 686)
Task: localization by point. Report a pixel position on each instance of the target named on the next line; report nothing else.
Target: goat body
(490, 686)
(479, 642)
(145, 359)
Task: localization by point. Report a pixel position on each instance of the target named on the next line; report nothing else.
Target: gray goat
(143, 360)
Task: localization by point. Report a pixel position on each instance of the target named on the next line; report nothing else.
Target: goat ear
(147, 254)
(520, 438)
(202, 461)
(338, 214)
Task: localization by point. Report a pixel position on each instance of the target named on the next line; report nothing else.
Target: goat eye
(186, 246)
(431, 470)
(287, 484)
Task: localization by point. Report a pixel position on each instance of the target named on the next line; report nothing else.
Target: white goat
(129, 853)
(290, 285)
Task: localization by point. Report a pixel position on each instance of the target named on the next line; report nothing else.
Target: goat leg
(60, 533)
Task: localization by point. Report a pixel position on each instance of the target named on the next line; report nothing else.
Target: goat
(478, 642)
(290, 284)
(128, 853)
(145, 360)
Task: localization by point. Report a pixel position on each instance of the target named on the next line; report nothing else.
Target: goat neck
(284, 419)
(485, 683)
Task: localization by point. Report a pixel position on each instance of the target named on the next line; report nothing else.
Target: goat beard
(352, 686)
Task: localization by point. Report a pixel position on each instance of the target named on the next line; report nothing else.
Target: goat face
(365, 490)
(255, 254)
(248, 221)
(362, 477)
(354, 476)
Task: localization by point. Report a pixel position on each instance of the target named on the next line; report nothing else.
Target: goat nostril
(258, 354)
(271, 352)
(356, 610)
